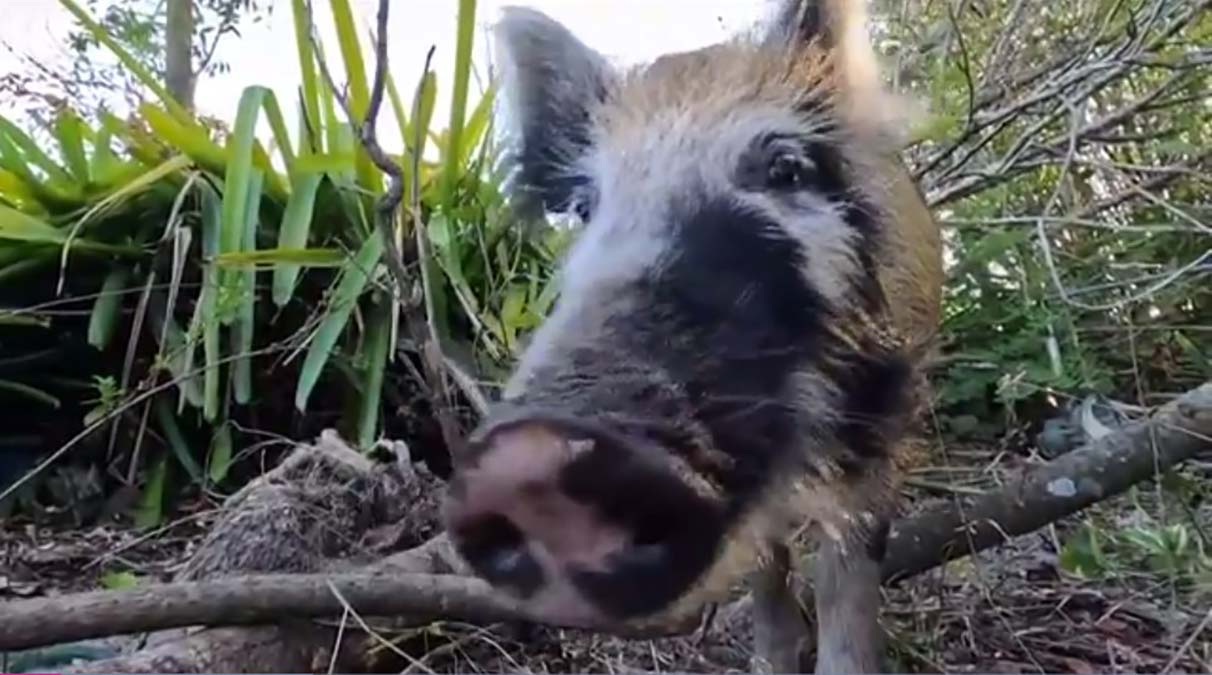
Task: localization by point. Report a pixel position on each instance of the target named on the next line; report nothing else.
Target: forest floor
(1016, 608)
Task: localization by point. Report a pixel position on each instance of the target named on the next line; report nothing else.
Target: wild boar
(738, 345)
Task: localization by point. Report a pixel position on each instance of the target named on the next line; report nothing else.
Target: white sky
(625, 30)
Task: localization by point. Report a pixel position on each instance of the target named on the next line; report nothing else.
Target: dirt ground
(1010, 610)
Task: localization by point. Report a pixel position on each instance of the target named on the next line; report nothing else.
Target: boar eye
(582, 202)
(788, 171)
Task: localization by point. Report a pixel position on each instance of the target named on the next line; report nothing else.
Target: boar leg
(779, 629)
(847, 591)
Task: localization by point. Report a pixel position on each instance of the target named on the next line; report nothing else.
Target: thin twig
(1188, 642)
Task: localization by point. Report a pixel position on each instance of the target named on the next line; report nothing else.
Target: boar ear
(840, 27)
(550, 83)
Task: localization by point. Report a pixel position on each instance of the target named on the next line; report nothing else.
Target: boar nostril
(514, 568)
(497, 550)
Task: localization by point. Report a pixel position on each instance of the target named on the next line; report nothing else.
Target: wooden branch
(246, 600)
(1104, 468)
(1176, 432)
(261, 599)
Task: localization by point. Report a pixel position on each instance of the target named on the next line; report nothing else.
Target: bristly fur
(741, 357)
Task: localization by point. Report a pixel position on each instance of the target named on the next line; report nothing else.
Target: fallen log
(1175, 432)
(1044, 494)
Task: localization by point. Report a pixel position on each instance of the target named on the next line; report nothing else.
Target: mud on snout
(584, 522)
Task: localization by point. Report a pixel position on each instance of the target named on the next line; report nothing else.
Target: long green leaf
(30, 392)
(218, 459)
(458, 103)
(104, 162)
(293, 232)
(277, 126)
(187, 136)
(369, 177)
(33, 153)
(205, 321)
(477, 124)
(377, 343)
(18, 226)
(242, 329)
(298, 257)
(70, 134)
(104, 317)
(354, 278)
(176, 439)
(307, 69)
(239, 175)
(180, 353)
(151, 505)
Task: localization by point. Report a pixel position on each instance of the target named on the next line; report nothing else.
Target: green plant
(229, 280)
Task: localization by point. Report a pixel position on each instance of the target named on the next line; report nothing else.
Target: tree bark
(179, 76)
(1104, 468)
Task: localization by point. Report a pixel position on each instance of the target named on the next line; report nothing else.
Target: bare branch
(1176, 432)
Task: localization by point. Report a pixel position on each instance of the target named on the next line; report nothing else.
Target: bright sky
(625, 30)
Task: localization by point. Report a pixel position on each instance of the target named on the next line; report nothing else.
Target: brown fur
(699, 89)
(670, 132)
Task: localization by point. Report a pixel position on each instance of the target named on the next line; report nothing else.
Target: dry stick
(1106, 467)
(1177, 431)
(263, 599)
(243, 601)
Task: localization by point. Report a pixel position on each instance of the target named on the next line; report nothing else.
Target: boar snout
(583, 522)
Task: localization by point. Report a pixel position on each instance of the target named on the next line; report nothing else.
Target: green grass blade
(17, 226)
(397, 107)
(142, 144)
(354, 278)
(104, 162)
(426, 96)
(30, 392)
(242, 328)
(178, 351)
(104, 317)
(206, 322)
(136, 185)
(188, 137)
(70, 134)
(297, 257)
(369, 176)
(477, 125)
(307, 69)
(218, 459)
(238, 177)
(458, 103)
(328, 103)
(378, 339)
(151, 505)
(277, 125)
(33, 153)
(339, 163)
(293, 232)
(351, 54)
(176, 439)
